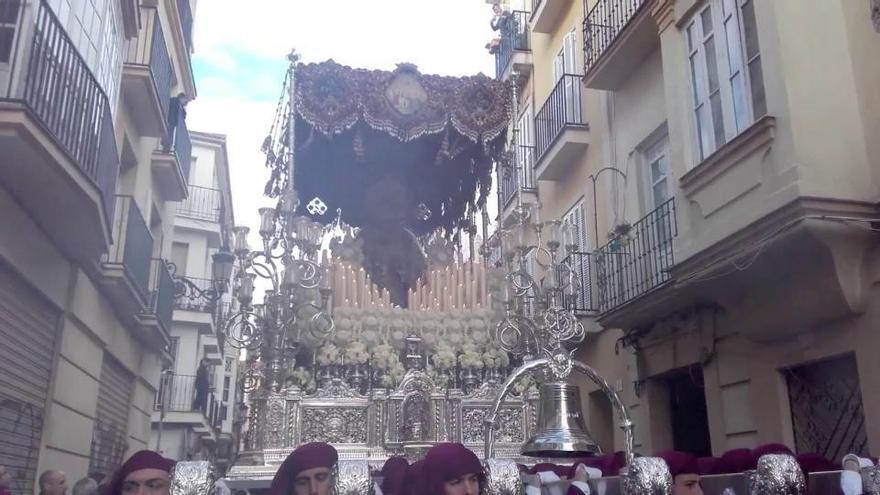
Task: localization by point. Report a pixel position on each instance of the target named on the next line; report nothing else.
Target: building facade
(193, 417)
(725, 190)
(94, 155)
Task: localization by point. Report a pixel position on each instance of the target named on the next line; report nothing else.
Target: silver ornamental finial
(293, 57)
(778, 475)
(192, 478)
(647, 476)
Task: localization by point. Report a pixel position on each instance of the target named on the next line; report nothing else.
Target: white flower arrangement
(356, 353)
(496, 358)
(393, 375)
(302, 378)
(444, 357)
(524, 385)
(471, 358)
(329, 354)
(385, 357)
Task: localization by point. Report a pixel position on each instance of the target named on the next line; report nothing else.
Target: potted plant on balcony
(619, 236)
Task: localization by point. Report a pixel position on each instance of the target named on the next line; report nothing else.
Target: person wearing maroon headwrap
(736, 461)
(308, 470)
(414, 482)
(144, 473)
(452, 469)
(770, 448)
(393, 475)
(708, 465)
(684, 470)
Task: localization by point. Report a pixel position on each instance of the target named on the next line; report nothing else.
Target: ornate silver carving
(192, 478)
(647, 476)
(316, 206)
(334, 424)
(336, 389)
(275, 422)
(353, 478)
(508, 425)
(777, 475)
(871, 480)
(502, 476)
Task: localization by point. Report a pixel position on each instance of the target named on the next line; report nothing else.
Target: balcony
(147, 75)
(189, 301)
(547, 14)
(171, 163)
(618, 35)
(508, 183)
(155, 321)
(638, 260)
(515, 50)
(178, 399)
(125, 269)
(582, 298)
(56, 133)
(202, 203)
(561, 132)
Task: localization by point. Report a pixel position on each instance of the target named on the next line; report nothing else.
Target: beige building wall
(767, 275)
(92, 327)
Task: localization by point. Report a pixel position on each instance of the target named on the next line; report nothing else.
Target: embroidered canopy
(397, 147)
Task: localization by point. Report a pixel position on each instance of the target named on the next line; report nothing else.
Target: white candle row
(461, 286)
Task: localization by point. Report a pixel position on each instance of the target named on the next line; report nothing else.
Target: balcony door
(525, 141)
(654, 233)
(566, 63)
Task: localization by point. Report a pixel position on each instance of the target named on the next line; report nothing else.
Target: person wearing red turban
(144, 473)
(685, 472)
(308, 470)
(393, 475)
(452, 469)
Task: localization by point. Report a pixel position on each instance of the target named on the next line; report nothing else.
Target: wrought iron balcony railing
(132, 244)
(179, 393)
(149, 50)
(184, 10)
(525, 156)
(584, 301)
(562, 108)
(638, 259)
(64, 95)
(161, 293)
(178, 139)
(514, 37)
(603, 23)
(202, 203)
(201, 304)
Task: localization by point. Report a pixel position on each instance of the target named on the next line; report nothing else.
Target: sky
(240, 62)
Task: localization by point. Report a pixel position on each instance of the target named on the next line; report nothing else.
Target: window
(174, 348)
(566, 63)
(525, 141)
(8, 20)
(725, 72)
(179, 256)
(226, 382)
(656, 175)
(576, 216)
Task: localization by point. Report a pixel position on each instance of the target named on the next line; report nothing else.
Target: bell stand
(626, 423)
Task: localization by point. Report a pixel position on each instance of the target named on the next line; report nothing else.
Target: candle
(483, 288)
(362, 287)
(473, 294)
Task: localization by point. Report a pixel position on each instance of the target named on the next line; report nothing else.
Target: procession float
(389, 323)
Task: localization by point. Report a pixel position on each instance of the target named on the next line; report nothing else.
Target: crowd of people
(448, 469)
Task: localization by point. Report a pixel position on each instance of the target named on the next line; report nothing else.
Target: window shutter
(109, 438)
